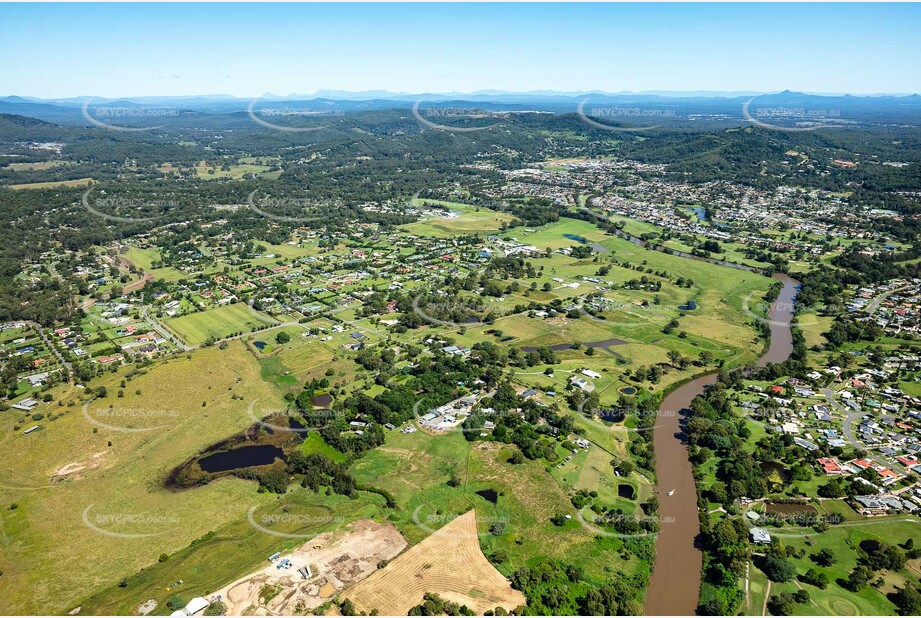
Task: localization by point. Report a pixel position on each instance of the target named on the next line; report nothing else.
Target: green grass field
(38, 166)
(415, 468)
(472, 220)
(842, 540)
(233, 550)
(78, 182)
(78, 470)
(143, 260)
(218, 323)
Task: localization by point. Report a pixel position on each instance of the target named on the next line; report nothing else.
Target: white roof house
(196, 605)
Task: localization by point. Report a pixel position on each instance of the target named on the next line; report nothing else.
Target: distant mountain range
(879, 108)
(486, 95)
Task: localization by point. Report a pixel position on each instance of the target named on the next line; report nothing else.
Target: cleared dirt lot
(449, 563)
(336, 561)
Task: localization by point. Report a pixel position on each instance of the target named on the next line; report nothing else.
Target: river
(675, 582)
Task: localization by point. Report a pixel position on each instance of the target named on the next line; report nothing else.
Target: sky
(248, 50)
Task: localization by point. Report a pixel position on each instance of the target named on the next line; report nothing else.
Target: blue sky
(247, 50)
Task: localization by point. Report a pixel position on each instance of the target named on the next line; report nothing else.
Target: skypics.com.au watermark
(631, 114)
(130, 420)
(266, 204)
(622, 525)
(104, 116)
(276, 524)
(435, 117)
(445, 418)
(294, 419)
(804, 315)
(597, 309)
(771, 117)
(434, 524)
(276, 113)
(116, 524)
(645, 420)
(453, 313)
(127, 209)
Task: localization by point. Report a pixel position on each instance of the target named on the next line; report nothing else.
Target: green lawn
(232, 551)
(471, 221)
(218, 323)
(843, 540)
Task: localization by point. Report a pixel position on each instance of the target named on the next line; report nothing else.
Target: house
(889, 477)
(591, 374)
(760, 536)
(806, 444)
(37, 379)
(25, 405)
(831, 465)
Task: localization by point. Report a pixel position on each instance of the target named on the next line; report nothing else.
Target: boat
(671, 492)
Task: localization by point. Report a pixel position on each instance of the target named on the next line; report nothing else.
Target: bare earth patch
(449, 563)
(336, 562)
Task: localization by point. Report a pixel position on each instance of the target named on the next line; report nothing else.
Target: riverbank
(674, 586)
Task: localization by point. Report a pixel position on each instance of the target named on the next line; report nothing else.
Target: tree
(831, 489)
(816, 578)
(347, 608)
(781, 604)
(858, 578)
(282, 337)
(824, 557)
(777, 569)
(908, 600)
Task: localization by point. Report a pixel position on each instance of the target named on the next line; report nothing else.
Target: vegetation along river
(675, 582)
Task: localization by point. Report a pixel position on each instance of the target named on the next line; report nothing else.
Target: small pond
(489, 494)
(322, 401)
(612, 416)
(626, 491)
(774, 508)
(242, 457)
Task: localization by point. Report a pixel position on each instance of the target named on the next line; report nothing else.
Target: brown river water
(675, 582)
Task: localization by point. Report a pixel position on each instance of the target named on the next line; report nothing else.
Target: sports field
(218, 323)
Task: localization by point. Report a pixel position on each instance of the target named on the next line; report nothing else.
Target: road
(872, 306)
(847, 429)
(163, 332)
(54, 350)
(50, 345)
